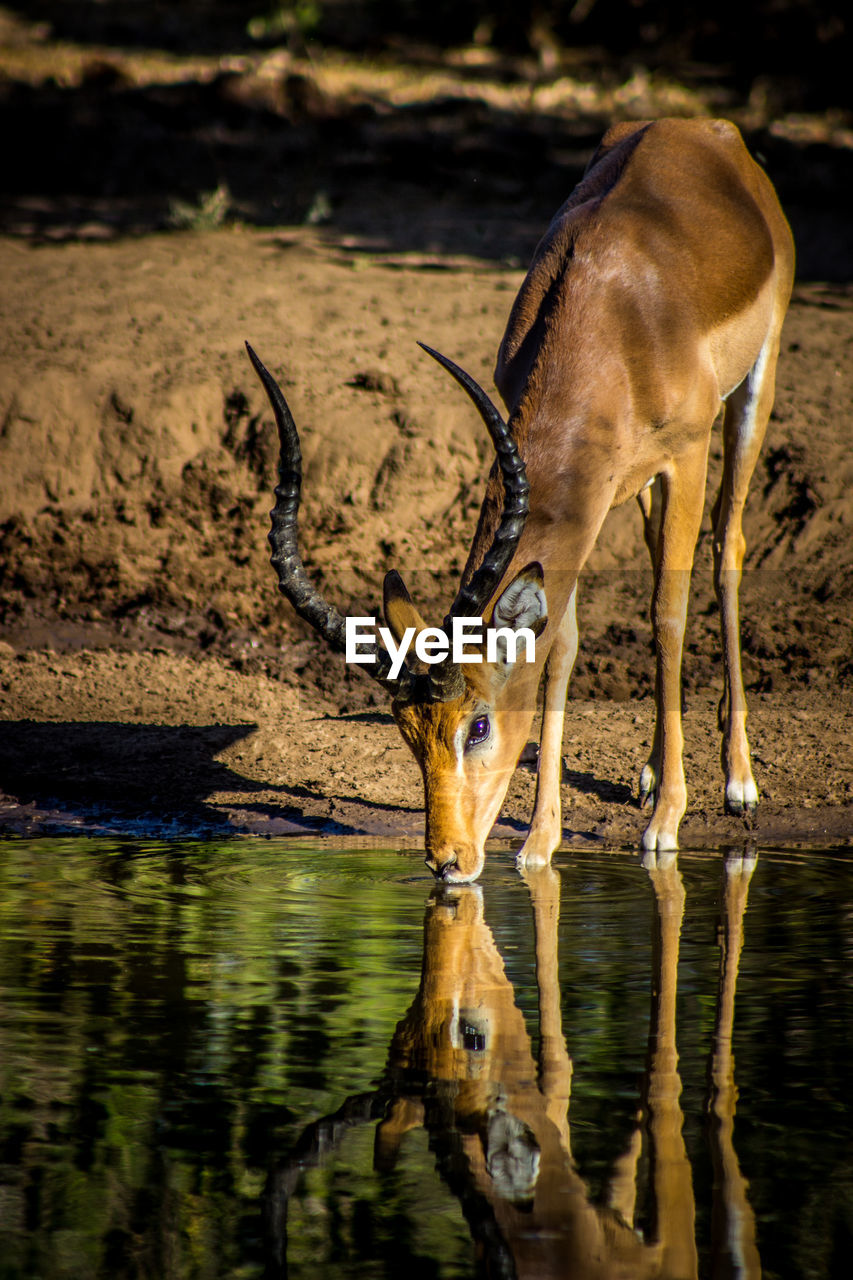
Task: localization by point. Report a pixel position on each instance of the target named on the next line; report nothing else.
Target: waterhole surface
(260, 1058)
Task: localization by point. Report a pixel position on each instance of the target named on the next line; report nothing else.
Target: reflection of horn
(316, 1141)
(733, 1247)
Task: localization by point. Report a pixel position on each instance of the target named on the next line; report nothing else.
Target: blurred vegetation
(209, 211)
(195, 113)
(805, 42)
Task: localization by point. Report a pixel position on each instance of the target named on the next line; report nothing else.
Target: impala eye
(473, 1038)
(478, 731)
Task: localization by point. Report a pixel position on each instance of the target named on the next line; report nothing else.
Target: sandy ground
(152, 681)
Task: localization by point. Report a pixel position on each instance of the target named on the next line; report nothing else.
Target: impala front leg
(546, 825)
(681, 515)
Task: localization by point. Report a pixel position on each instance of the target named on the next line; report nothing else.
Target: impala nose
(441, 867)
(459, 865)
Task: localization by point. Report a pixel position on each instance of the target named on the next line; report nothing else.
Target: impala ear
(523, 602)
(398, 607)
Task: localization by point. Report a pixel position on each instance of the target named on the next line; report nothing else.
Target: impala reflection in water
(461, 1065)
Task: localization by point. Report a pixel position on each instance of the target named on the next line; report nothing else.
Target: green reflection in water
(172, 1017)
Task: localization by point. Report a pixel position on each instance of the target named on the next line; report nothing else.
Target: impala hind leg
(683, 494)
(744, 424)
(651, 505)
(546, 825)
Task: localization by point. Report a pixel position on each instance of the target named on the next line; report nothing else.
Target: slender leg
(683, 499)
(747, 413)
(733, 1238)
(651, 505)
(673, 1208)
(622, 1183)
(546, 825)
(555, 1064)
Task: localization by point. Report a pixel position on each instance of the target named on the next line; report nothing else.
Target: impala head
(464, 1023)
(465, 1039)
(467, 739)
(465, 722)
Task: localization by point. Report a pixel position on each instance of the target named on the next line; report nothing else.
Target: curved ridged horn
(447, 681)
(293, 581)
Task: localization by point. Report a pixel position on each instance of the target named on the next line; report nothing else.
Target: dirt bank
(152, 680)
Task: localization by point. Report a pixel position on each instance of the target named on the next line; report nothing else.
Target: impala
(654, 300)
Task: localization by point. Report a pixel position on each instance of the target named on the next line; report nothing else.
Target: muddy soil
(152, 681)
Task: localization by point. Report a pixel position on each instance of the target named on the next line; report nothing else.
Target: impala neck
(568, 505)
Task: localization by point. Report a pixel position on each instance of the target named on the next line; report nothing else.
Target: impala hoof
(740, 865)
(538, 847)
(532, 859)
(655, 860)
(742, 799)
(656, 841)
(661, 835)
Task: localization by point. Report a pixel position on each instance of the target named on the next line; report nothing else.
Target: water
(260, 1058)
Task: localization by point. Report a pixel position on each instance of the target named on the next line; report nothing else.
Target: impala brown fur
(654, 302)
